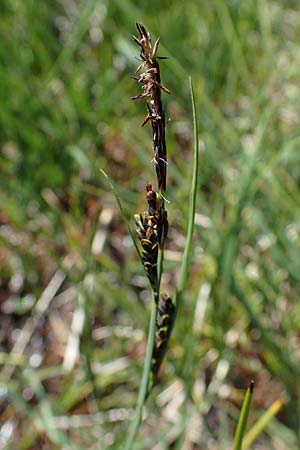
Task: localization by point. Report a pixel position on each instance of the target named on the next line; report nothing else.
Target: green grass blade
(181, 285)
(240, 430)
(123, 214)
(143, 392)
(146, 384)
(261, 424)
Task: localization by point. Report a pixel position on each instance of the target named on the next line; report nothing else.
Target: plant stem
(145, 380)
(261, 424)
(144, 386)
(182, 281)
(241, 426)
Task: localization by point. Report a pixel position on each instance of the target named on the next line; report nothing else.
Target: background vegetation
(74, 300)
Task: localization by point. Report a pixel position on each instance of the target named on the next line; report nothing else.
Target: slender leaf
(123, 214)
(242, 423)
(261, 424)
(182, 281)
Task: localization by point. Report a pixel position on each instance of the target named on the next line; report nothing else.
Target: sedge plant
(152, 225)
(151, 231)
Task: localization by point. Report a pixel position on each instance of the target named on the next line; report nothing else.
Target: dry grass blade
(31, 323)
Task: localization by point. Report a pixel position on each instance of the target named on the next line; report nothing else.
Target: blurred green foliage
(65, 89)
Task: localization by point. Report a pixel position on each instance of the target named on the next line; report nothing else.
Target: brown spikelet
(159, 214)
(164, 323)
(152, 226)
(147, 234)
(152, 87)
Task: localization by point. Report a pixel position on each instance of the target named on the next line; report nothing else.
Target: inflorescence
(152, 225)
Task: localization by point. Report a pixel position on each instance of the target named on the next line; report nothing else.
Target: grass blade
(261, 424)
(123, 214)
(240, 430)
(181, 285)
(143, 392)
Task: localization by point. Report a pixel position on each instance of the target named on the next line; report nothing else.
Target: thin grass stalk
(146, 384)
(143, 391)
(123, 214)
(261, 424)
(243, 418)
(182, 281)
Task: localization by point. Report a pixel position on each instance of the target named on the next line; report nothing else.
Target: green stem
(261, 424)
(145, 380)
(160, 268)
(241, 426)
(145, 388)
(182, 281)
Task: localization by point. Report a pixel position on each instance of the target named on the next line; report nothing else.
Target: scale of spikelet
(158, 213)
(147, 234)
